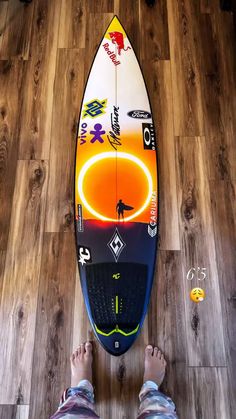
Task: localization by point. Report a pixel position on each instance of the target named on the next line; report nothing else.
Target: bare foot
(81, 364)
(154, 365)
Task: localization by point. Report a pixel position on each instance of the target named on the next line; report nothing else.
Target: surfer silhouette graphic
(120, 207)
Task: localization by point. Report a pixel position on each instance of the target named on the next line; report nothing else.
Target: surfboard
(116, 193)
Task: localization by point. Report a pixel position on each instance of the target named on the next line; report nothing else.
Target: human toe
(148, 350)
(88, 347)
(155, 352)
(82, 346)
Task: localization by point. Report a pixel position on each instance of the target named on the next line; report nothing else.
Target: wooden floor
(186, 50)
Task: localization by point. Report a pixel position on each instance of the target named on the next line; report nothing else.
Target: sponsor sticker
(148, 136)
(111, 54)
(97, 133)
(84, 255)
(79, 219)
(114, 134)
(116, 244)
(152, 226)
(94, 108)
(83, 133)
(138, 114)
(118, 39)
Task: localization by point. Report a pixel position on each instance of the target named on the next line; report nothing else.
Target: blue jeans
(78, 402)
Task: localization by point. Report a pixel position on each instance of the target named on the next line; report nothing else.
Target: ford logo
(139, 114)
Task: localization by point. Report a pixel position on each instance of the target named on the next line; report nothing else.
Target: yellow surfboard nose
(115, 27)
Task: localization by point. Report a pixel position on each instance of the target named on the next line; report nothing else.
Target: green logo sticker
(94, 108)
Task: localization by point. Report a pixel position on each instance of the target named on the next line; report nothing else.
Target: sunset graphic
(104, 177)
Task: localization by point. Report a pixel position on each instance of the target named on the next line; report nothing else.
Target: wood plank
(14, 411)
(8, 411)
(72, 24)
(219, 100)
(22, 412)
(2, 267)
(223, 196)
(36, 116)
(17, 31)
(102, 6)
(225, 32)
(10, 105)
(154, 31)
(129, 14)
(3, 17)
(158, 79)
(20, 282)
(68, 92)
(167, 329)
(206, 6)
(96, 26)
(209, 393)
(186, 77)
(205, 347)
(54, 324)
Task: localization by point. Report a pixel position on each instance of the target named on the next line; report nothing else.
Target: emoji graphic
(197, 295)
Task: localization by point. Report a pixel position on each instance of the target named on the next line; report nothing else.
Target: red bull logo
(118, 39)
(111, 54)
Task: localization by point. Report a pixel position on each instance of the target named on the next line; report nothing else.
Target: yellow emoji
(197, 295)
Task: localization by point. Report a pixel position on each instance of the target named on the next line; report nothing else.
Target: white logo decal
(152, 231)
(85, 255)
(116, 244)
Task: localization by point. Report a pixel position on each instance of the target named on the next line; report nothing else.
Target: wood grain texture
(160, 91)
(186, 77)
(10, 106)
(223, 197)
(205, 347)
(219, 87)
(154, 31)
(205, 6)
(22, 412)
(166, 326)
(2, 267)
(209, 393)
(3, 17)
(72, 24)
(53, 333)
(17, 31)
(20, 282)
(102, 6)
(69, 84)
(14, 411)
(36, 116)
(227, 63)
